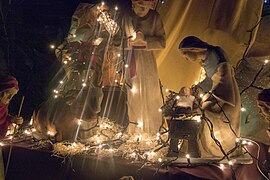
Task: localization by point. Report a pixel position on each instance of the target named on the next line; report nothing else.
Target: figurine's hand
(139, 36)
(17, 120)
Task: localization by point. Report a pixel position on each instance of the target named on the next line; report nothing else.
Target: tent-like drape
(225, 23)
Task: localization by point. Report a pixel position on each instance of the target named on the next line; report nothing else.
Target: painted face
(142, 7)
(6, 96)
(194, 54)
(185, 91)
(189, 54)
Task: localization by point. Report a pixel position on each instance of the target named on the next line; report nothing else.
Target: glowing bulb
(65, 62)
(201, 95)
(1, 144)
(52, 46)
(110, 150)
(116, 8)
(102, 3)
(119, 55)
(237, 140)
(61, 82)
(187, 156)
(249, 143)
(177, 97)
(134, 89)
(196, 82)
(140, 124)
(167, 90)
(159, 159)
(221, 166)
(243, 109)
(159, 110)
(266, 61)
(79, 122)
(230, 163)
(115, 81)
(69, 58)
(83, 84)
(34, 130)
(49, 133)
(126, 65)
(74, 35)
(244, 142)
(197, 118)
(55, 96)
(26, 132)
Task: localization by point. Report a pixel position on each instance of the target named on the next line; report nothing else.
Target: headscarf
(8, 82)
(145, 3)
(193, 42)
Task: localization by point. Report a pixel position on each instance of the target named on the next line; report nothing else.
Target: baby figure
(185, 101)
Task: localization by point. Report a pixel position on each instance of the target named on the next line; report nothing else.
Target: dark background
(28, 27)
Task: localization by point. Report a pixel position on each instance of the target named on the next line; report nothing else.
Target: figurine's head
(8, 88)
(185, 91)
(263, 102)
(192, 48)
(142, 7)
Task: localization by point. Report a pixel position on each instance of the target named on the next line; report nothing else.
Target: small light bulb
(159, 110)
(116, 8)
(221, 166)
(134, 90)
(140, 124)
(187, 156)
(243, 109)
(126, 65)
(52, 46)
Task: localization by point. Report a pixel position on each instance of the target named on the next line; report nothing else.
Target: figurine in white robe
(145, 33)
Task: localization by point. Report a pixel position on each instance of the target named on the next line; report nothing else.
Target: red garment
(5, 120)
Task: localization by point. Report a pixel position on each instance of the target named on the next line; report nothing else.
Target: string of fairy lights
(111, 139)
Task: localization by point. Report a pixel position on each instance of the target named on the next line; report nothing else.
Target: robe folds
(144, 99)
(225, 120)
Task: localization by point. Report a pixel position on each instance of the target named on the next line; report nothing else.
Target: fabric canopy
(227, 23)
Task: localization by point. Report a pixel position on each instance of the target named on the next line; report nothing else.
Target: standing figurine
(221, 102)
(145, 33)
(8, 88)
